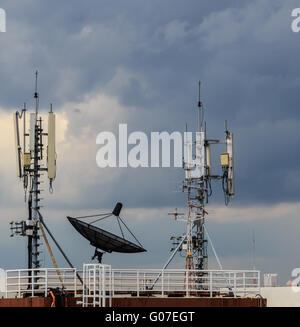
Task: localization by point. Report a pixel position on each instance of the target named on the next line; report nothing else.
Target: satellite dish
(104, 240)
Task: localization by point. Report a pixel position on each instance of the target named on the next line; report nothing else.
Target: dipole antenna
(200, 109)
(36, 95)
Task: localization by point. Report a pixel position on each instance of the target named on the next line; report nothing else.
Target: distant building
(270, 280)
(2, 280)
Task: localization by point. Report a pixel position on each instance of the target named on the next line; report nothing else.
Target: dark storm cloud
(245, 54)
(47, 36)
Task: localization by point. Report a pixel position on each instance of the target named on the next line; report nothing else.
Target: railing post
(101, 271)
(113, 282)
(138, 283)
(87, 284)
(110, 287)
(94, 286)
(121, 284)
(32, 281)
(258, 281)
(234, 279)
(99, 285)
(19, 283)
(84, 286)
(103, 289)
(104, 284)
(162, 284)
(210, 284)
(5, 284)
(244, 283)
(75, 282)
(46, 282)
(186, 283)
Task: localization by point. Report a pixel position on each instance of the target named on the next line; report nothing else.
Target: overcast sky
(106, 62)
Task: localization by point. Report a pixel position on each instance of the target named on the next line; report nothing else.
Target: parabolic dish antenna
(102, 239)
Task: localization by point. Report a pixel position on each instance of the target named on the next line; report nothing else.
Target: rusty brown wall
(27, 302)
(32, 302)
(145, 302)
(187, 302)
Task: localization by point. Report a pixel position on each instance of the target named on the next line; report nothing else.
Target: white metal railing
(101, 283)
(38, 281)
(185, 282)
(96, 285)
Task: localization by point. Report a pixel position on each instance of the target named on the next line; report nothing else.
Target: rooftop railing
(101, 279)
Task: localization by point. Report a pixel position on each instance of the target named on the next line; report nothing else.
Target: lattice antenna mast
(37, 149)
(197, 184)
(30, 165)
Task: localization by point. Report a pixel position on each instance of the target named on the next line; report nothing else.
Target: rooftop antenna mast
(35, 192)
(30, 166)
(31, 163)
(197, 184)
(194, 185)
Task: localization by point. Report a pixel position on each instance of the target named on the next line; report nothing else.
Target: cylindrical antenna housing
(229, 149)
(208, 160)
(51, 155)
(32, 131)
(17, 143)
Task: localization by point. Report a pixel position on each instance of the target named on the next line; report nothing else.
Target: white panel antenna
(229, 150)
(199, 170)
(17, 143)
(194, 168)
(51, 157)
(188, 154)
(208, 160)
(32, 131)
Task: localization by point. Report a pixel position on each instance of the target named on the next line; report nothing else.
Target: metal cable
(130, 231)
(98, 215)
(101, 219)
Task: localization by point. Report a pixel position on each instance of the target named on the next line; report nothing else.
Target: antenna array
(197, 184)
(31, 164)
